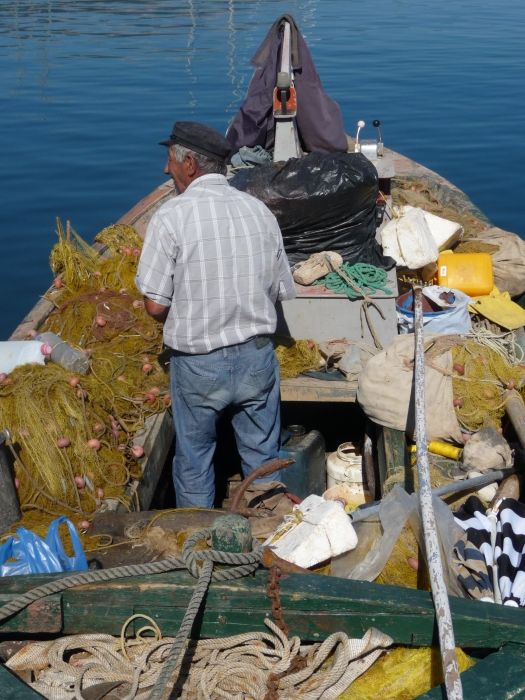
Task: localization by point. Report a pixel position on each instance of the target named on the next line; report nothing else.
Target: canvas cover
(319, 119)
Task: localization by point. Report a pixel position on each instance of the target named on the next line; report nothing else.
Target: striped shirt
(215, 256)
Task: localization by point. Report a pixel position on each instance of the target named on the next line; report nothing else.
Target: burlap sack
(509, 261)
(385, 391)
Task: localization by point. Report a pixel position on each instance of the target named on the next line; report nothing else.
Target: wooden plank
(13, 688)
(42, 616)
(314, 606)
(499, 676)
(392, 456)
(156, 438)
(310, 389)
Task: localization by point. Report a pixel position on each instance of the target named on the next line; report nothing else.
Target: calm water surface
(88, 87)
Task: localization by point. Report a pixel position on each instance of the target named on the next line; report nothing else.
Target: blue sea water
(88, 88)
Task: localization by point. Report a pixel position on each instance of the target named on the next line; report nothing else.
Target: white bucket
(344, 466)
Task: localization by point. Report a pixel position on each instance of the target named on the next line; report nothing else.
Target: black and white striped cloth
(492, 554)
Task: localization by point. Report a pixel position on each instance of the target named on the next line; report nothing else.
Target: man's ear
(191, 165)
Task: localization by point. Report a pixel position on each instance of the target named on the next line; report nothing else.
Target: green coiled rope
(368, 278)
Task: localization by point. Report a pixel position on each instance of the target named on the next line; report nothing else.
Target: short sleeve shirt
(215, 256)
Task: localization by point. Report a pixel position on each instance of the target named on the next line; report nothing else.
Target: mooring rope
(78, 579)
(241, 565)
(259, 665)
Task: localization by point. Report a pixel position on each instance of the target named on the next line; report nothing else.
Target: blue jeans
(244, 376)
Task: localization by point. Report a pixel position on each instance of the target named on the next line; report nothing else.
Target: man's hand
(156, 311)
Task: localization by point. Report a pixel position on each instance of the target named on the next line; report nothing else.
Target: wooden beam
(313, 607)
(310, 389)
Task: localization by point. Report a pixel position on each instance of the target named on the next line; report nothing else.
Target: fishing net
(75, 437)
(297, 356)
(473, 245)
(437, 197)
(483, 371)
(401, 569)
(403, 673)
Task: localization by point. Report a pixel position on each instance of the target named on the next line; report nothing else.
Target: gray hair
(206, 165)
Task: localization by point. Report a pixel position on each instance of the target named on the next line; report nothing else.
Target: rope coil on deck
(200, 563)
(259, 665)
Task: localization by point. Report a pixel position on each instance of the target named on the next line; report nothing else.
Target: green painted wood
(391, 455)
(314, 606)
(499, 676)
(42, 616)
(12, 688)
(396, 458)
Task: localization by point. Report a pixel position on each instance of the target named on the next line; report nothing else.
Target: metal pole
(435, 567)
(372, 509)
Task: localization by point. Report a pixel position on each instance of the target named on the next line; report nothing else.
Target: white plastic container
(14, 353)
(345, 466)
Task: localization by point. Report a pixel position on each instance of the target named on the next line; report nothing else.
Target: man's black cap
(200, 138)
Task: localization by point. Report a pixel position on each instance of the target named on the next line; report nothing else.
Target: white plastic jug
(14, 353)
(344, 466)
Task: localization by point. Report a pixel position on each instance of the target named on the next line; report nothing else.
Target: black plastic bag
(322, 202)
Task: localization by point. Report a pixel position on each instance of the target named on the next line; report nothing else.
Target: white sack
(385, 390)
(444, 231)
(408, 240)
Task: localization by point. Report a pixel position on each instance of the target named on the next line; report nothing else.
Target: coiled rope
(200, 564)
(362, 280)
(244, 564)
(258, 665)
(358, 281)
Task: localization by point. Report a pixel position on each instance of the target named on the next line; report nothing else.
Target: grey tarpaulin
(319, 120)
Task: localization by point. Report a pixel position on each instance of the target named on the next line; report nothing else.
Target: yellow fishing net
(403, 566)
(75, 436)
(481, 377)
(402, 674)
(297, 356)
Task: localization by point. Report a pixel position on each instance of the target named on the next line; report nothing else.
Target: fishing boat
(308, 604)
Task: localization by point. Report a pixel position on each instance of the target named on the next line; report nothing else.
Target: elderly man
(212, 267)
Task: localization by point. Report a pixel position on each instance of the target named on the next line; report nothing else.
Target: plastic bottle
(63, 354)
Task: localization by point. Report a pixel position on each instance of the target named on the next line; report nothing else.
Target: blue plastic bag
(27, 553)
(453, 318)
